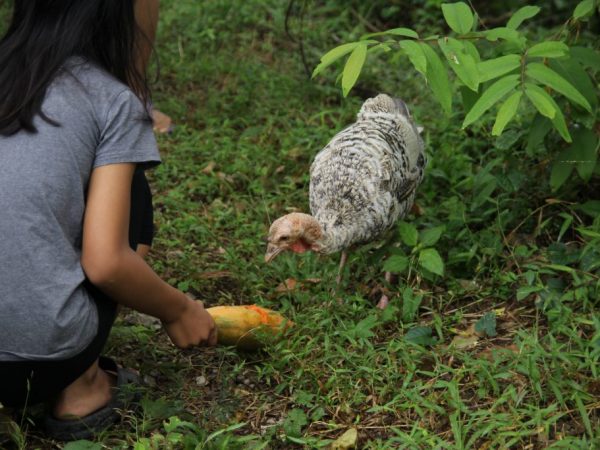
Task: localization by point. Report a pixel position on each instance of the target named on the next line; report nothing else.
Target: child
(74, 133)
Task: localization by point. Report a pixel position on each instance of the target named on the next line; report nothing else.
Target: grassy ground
(248, 122)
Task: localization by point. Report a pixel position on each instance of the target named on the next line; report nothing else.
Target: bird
(361, 183)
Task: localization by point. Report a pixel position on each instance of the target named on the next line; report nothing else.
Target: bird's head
(296, 232)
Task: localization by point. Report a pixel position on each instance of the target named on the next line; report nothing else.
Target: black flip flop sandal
(125, 396)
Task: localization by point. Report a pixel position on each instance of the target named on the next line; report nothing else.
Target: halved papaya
(248, 327)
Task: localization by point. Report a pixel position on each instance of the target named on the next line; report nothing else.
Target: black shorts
(141, 220)
(30, 382)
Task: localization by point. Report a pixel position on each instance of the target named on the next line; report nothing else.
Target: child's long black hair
(43, 34)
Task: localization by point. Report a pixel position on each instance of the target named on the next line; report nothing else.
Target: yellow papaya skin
(247, 327)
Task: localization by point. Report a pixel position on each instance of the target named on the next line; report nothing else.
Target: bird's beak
(272, 252)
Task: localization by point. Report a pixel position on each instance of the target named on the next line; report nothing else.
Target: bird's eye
(285, 237)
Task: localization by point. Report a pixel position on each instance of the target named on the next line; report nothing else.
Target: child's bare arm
(121, 273)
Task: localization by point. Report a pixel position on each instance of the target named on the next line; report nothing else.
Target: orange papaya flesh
(247, 326)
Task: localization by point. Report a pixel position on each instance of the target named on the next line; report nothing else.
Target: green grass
(248, 122)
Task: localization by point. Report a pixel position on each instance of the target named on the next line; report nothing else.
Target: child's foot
(162, 122)
(88, 393)
(93, 402)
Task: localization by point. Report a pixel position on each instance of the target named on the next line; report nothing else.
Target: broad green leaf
(506, 112)
(540, 101)
(470, 49)
(430, 236)
(468, 97)
(333, 55)
(487, 324)
(493, 68)
(174, 423)
(141, 444)
(587, 57)
(483, 193)
(458, 17)
(559, 119)
(591, 208)
(585, 152)
(560, 124)
(526, 291)
(431, 260)
(408, 233)
(415, 55)
(353, 67)
(583, 9)
(382, 45)
(490, 97)
(506, 34)
(420, 336)
(437, 78)
(460, 62)
(538, 130)
(524, 13)
(561, 170)
(572, 71)
(406, 32)
(509, 139)
(396, 264)
(548, 49)
(550, 78)
(410, 304)
(296, 420)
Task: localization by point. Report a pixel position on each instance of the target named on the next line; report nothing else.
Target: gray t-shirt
(45, 312)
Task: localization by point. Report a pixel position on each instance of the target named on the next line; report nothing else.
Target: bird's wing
(364, 179)
(404, 156)
(350, 189)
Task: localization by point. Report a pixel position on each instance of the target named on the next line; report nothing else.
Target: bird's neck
(332, 238)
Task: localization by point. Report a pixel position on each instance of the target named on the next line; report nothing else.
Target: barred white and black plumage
(367, 176)
(360, 184)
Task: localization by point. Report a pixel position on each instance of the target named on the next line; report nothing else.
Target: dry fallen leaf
(286, 286)
(487, 353)
(346, 440)
(208, 169)
(241, 392)
(291, 284)
(468, 285)
(417, 210)
(464, 341)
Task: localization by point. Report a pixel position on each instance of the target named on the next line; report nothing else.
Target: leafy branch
(519, 72)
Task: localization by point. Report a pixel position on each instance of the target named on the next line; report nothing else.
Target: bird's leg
(384, 300)
(343, 260)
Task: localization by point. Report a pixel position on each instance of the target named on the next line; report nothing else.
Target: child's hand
(194, 326)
